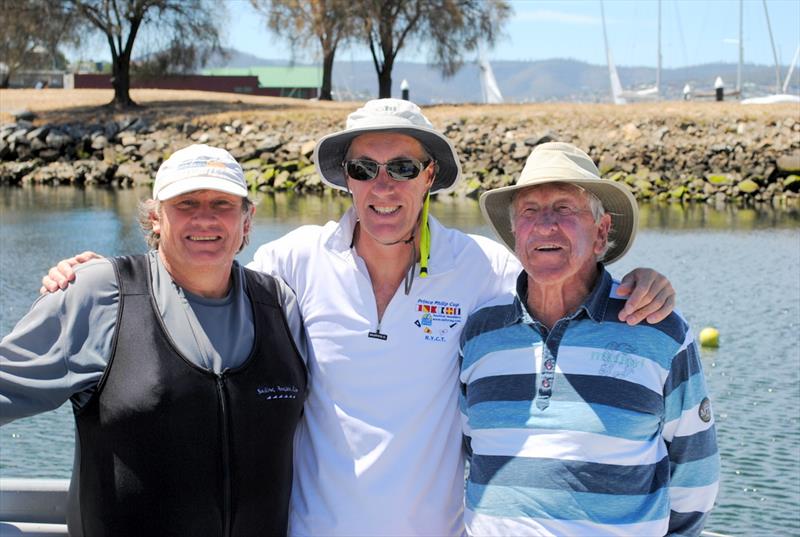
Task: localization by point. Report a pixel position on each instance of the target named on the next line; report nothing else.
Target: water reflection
(697, 216)
(736, 269)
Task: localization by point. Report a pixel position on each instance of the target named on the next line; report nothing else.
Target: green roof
(275, 77)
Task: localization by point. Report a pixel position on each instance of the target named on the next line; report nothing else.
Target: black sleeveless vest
(168, 448)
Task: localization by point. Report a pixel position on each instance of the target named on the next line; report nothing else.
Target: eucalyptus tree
(447, 28)
(188, 27)
(310, 23)
(32, 32)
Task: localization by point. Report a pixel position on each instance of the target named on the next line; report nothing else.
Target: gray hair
(149, 207)
(595, 205)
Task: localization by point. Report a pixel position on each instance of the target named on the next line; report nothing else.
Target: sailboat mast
(658, 66)
(741, 49)
(774, 54)
(791, 70)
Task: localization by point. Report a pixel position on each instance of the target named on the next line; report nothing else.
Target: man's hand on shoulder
(650, 297)
(60, 276)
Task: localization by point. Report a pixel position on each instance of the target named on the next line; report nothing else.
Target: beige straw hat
(558, 162)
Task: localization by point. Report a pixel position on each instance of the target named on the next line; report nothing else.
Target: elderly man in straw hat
(384, 293)
(183, 373)
(579, 424)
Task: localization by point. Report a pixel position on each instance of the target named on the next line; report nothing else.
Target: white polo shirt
(380, 449)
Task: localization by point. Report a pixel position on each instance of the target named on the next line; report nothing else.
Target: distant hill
(238, 59)
(534, 81)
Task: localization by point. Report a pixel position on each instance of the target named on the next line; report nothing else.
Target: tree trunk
(385, 81)
(121, 82)
(327, 76)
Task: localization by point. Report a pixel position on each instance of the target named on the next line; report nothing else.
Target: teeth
(385, 210)
(192, 238)
(548, 247)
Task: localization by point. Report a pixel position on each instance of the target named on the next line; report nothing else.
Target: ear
(432, 174)
(248, 219)
(156, 221)
(603, 229)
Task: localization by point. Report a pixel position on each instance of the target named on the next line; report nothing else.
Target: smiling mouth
(548, 248)
(385, 210)
(204, 239)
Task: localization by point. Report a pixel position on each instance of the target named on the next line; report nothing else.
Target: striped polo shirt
(591, 428)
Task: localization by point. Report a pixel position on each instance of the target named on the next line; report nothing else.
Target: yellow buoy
(709, 337)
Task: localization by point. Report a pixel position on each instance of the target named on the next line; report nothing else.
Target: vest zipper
(226, 458)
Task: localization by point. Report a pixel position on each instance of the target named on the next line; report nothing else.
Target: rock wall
(744, 157)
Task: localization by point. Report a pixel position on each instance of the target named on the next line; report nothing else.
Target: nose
(546, 220)
(204, 213)
(382, 181)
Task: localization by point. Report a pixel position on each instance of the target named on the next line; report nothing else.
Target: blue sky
(693, 32)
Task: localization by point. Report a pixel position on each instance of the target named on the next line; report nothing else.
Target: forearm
(60, 348)
(34, 375)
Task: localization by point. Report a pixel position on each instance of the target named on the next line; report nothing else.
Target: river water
(735, 269)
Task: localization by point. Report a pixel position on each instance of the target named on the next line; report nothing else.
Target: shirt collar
(594, 305)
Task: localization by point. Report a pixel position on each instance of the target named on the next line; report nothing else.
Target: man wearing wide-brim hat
(579, 424)
(384, 293)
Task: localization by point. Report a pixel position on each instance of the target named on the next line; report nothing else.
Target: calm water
(738, 270)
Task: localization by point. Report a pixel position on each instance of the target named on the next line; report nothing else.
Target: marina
(734, 269)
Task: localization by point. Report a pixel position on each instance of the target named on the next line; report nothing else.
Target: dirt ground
(59, 106)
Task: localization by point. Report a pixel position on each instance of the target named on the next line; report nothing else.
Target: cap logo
(215, 164)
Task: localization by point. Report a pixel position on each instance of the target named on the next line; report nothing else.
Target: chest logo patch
(278, 392)
(437, 318)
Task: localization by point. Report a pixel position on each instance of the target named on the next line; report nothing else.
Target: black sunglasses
(399, 169)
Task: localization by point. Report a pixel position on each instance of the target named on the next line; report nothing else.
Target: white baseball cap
(199, 167)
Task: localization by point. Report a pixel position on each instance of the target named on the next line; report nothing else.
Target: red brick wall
(227, 84)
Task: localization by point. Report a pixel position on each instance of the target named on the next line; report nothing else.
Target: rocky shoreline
(667, 153)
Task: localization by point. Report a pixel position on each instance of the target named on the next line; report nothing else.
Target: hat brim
(330, 151)
(617, 200)
(201, 183)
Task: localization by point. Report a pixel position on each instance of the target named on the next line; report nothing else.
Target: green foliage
(31, 33)
(450, 28)
(307, 24)
(184, 31)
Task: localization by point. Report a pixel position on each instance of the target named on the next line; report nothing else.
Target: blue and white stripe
(620, 447)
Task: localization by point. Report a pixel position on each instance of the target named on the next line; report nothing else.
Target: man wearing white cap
(187, 379)
(384, 294)
(579, 424)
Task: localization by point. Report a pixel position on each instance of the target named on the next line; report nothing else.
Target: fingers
(60, 276)
(83, 257)
(651, 297)
(664, 311)
(654, 309)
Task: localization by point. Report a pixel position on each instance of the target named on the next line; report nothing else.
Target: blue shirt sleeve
(690, 436)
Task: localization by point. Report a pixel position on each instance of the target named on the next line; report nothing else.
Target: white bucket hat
(387, 115)
(558, 162)
(199, 167)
